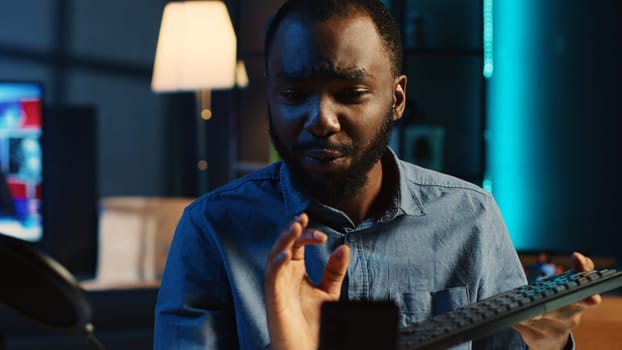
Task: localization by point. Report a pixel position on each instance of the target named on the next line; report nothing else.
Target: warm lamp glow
(196, 48)
(241, 77)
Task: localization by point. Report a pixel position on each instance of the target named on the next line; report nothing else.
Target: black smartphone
(359, 325)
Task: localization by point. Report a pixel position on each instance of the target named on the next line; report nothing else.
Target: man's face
(331, 98)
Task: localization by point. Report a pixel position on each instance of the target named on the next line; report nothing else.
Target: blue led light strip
(488, 35)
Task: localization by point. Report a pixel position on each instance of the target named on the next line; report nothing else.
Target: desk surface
(601, 327)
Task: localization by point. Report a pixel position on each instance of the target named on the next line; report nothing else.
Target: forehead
(305, 46)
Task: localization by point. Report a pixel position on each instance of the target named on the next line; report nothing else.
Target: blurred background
(519, 97)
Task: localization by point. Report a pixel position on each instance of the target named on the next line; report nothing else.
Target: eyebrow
(324, 72)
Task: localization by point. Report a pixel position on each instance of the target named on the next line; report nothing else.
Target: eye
(292, 95)
(352, 95)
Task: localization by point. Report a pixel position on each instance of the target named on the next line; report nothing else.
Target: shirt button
(350, 238)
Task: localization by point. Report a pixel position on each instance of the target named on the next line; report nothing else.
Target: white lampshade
(196, 48)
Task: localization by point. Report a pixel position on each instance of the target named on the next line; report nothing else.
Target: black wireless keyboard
(504, 310)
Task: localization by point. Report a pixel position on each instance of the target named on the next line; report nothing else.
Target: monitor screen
(20, 159)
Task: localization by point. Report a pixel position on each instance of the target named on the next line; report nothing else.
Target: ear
(399, 97)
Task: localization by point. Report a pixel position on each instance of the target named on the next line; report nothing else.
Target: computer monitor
(48, 175)
(21, 159)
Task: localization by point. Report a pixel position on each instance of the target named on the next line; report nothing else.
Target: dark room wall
(97, 53)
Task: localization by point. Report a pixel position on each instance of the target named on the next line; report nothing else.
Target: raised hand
(552, 329)
(292, 301)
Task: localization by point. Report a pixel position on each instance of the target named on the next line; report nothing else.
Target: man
(341, 217)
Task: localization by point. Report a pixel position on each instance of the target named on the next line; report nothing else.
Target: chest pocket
(417, 306)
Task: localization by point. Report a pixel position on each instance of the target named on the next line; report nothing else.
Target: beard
(335, 188)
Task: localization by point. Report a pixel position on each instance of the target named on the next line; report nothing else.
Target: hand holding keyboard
(504, 310)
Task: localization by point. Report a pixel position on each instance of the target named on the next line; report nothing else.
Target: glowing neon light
(488, 39)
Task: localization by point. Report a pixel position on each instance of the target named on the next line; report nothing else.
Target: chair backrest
(40, 288)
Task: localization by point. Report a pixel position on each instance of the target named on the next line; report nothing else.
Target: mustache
(301, 147)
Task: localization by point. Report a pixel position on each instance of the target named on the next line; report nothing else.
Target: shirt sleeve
(501, 271)
(194, 310)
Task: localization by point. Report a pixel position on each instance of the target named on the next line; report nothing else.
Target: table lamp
(196, 51)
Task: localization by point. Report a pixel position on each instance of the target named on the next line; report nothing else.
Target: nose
(323, 119)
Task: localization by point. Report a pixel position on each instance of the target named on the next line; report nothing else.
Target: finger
(335, 272)
(275, 264)
(568, 316)
(308, 236)
(584, 263)
(287, 238)
(591, 301)
(551, 323)
(535, 332)
(567, 312)
(581, 262)
(303, 219)
(571, 314)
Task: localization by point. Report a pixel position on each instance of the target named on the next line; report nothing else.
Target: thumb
(582, 262)
(335, 272)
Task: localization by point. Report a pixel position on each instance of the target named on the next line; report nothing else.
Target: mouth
(322, 155)
(322, 159)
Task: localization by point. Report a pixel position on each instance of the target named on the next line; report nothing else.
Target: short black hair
(322, 10)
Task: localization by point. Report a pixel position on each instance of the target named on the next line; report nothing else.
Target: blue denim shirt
(442, 245)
